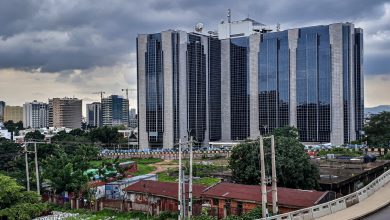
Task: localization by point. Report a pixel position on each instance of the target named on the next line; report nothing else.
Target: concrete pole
(274, 180)
(27, 171)
(190, 181)
(263, 181)
(36, 168)
(184, 201)
(179, 195)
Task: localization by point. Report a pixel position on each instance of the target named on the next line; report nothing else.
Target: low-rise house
(235, 199)
(155, 197)
(115, 190)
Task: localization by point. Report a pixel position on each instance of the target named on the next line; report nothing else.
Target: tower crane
(127, 92)
(101, 94)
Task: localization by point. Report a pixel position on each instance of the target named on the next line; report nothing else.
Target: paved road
(380, 198)
(383, 214)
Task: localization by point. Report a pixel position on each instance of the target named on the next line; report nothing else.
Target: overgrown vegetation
(292, 163)
(16, 203)
(340, 152)
(378, 130)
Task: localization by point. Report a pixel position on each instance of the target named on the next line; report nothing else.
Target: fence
(337, 204)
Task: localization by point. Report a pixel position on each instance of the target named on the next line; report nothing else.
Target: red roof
(286, 196)
(163, 189)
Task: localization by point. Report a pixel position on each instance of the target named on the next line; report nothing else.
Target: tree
(378, 130)
(63, 174)
(35, 135)
(293, 166)
(15, 203)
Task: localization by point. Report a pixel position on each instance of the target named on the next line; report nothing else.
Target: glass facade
(313, 84)
(215, 132)
(359, 82)
(239, 92)
(196, 91)
(314, 66)
(273, 81)
(154, 90)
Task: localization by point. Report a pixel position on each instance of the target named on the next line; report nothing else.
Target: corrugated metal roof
(163, 189)
(286, 196)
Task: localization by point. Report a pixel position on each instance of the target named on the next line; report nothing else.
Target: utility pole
(36, 168)
(179, 196)
(190, 181)
(263, 181)
(275, 210)
(36, 163)
(27, 171)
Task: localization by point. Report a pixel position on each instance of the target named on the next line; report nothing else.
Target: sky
(74, 48)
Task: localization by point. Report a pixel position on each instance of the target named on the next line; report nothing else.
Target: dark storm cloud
(64, 35)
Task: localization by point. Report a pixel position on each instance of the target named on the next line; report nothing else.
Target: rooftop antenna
(229, 15)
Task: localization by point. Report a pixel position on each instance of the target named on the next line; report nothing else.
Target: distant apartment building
(132, 113)
(115, 111)
(35, 114)
(246, 80)
(94, 115)
(2, 108)
(65, 112)
(13, 113)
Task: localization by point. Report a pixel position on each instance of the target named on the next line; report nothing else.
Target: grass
(341, 152)
(108, 214)
(207, 181)
(143, 164)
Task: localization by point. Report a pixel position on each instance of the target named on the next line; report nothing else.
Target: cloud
(81, 34)
(85, 45)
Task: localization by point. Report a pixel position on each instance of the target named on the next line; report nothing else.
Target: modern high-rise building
(13, 113)
(94, 115)
(246, 80)
(65, 112)
(2, 108)
(115, 110)
(35, 114)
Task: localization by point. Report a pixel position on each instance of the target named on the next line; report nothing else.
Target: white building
(35, 115)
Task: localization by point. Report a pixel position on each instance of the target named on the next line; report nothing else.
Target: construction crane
(101, 94)
(127, 92)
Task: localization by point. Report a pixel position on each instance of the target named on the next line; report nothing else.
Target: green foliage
(11, 126)
(15, 203)
(35, 135)
(378, 130)
(106, 135)
(9, 152)
(292, 163)
(387, 156)
(341, 152)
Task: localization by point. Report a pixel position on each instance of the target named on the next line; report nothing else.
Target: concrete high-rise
(13, 113)
(115, 110)
(247, 80)
(65, 112)
(2, 108)
(94, 115)
(35, 114)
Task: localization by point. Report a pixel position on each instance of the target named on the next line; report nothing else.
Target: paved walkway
(379, 199)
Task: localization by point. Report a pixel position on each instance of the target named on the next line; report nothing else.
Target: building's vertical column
(352, 122)
(225, 90)
(205, 43)
(337, 113)
(292, 45)
(183, 38)
(254, 48)
(166, 41)
(143, 141)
